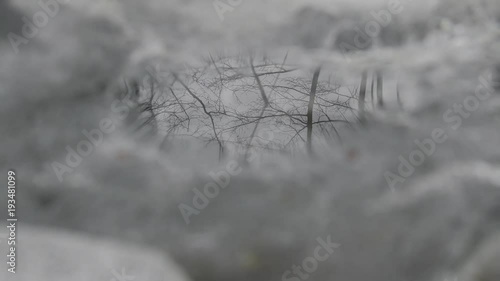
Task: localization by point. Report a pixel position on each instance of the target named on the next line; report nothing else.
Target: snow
(56, 255)
(441, 223)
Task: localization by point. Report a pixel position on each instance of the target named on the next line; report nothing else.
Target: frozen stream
(411, 194)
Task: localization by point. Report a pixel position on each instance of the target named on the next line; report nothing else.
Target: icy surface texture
(441, 223)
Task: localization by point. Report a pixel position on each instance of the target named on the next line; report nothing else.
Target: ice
(440, 223)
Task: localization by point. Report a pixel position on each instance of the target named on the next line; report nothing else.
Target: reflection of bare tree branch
(398, 96)
(371, 91)
(240, 98)
(362, 94)
(206, 112)
(380, 87)
(310, 107)
(266, 104)
(182, 106)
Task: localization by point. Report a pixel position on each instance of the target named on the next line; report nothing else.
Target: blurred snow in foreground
(442, 221)
(58, 255)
